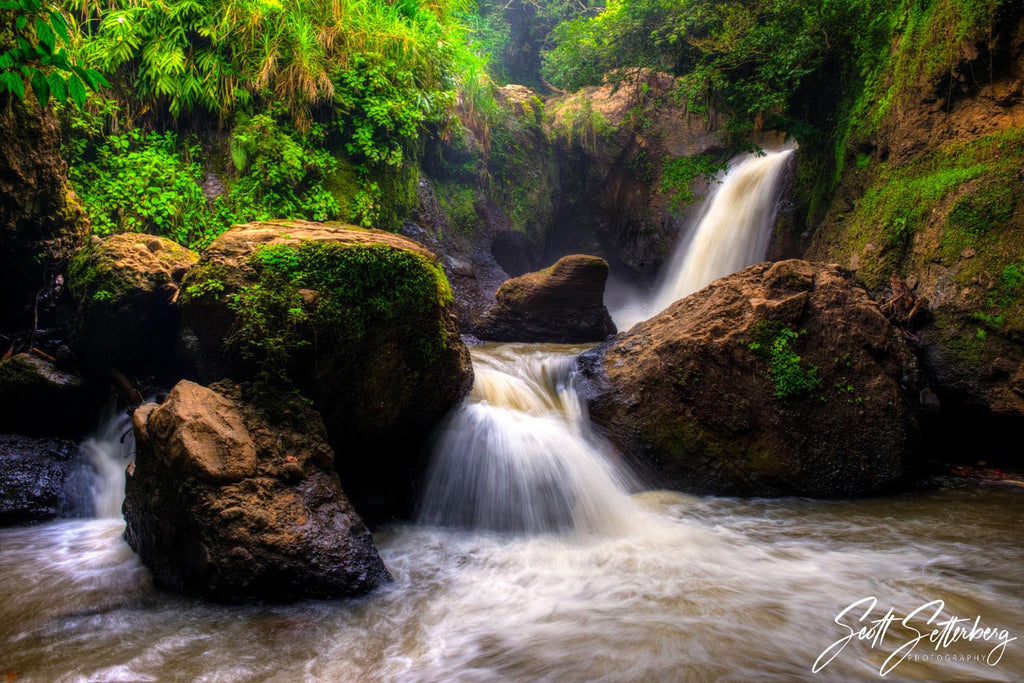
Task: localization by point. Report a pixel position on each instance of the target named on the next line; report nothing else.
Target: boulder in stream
(560, 304)
(781, 379)
(235, 500)
(360, 321)
(125, 318)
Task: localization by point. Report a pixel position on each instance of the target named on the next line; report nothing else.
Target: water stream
(534, 557)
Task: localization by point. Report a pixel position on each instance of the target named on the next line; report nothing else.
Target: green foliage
(790, 375)
(578, 123)
(748, 58)
(384, 68)
(678, 174)
(37, 58)
(145, 182)
(360, 290)
(515, 33)
(280, 171)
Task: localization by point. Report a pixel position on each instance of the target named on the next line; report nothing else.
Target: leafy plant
(790, 375)
(37, 59)
(678, 175)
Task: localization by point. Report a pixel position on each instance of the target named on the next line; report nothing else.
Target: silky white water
(520, 455)
(733, 232)
(595, 585)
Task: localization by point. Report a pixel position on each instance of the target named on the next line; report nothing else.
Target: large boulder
(41, 221)
(33, 473)
(562, 303)
(782, 379)
(125, 319)
(358, 320)
(233, 501)
(39, 399)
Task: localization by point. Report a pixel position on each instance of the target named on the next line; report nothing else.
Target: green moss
(679, 174)
(459, 204)
(343, 294)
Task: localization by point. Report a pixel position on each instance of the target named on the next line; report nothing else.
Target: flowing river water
(537, 555)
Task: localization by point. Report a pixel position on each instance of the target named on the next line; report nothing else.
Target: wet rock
(563, 303)
(234, 500)
(125, 319)
(782, 379)
(39, 399)
(360, 321)
(32, 476)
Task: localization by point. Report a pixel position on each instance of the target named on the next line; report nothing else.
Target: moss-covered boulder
(233, 499)
(359, 320)
(41, 221)
(125, 318)
(563, 303)
(782, 379)
(39, 399)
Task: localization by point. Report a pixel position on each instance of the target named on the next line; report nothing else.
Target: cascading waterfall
(732, 233)
(96, 487)
(734, 230)
(519, 455)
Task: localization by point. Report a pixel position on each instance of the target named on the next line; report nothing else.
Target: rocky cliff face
(614, 143)
(929, 210)
(41, 222)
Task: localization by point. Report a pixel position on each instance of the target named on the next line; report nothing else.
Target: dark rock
(367, 332)
(32, 476)
(563, 303)
(41, 221)
(125, 318)
(38, 399)
(233, 501)
(613, 142)
(782, 379)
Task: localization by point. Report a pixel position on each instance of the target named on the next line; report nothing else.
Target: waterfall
(732, 233)
(519, 455)
(734, 230)
(95, 488)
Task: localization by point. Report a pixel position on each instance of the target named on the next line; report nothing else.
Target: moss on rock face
(358, 320)
(125, 318)
(41, 221)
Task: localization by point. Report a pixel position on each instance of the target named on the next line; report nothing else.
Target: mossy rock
(125, 318)
(359, 320)
(39, 399)
(781, 379)
(41, 220)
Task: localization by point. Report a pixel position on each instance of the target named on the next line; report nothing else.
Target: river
(659, 586)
